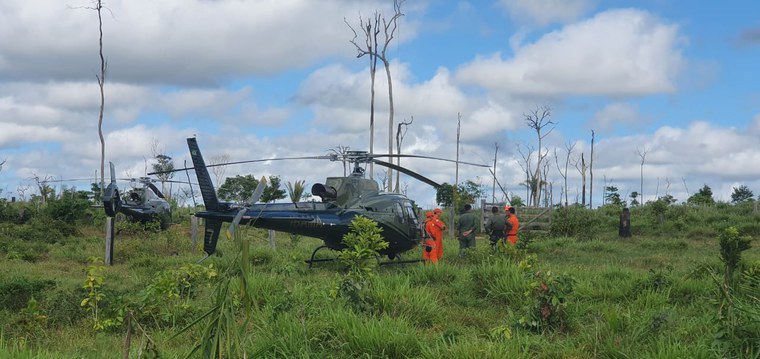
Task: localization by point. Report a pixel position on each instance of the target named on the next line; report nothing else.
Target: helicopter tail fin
(204, 181)
(213, 227)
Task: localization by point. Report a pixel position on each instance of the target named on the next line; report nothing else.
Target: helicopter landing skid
(311, 261)
(398, 260)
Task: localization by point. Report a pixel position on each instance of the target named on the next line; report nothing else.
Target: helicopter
(342, 199)
(144, 202)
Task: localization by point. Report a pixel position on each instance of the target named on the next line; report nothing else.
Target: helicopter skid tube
(312, 260)
(405, 261)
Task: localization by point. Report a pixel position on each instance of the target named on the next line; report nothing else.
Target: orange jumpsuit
(430, 250)
(438, 232)
(512, 226)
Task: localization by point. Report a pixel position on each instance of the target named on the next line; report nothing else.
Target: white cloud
(616, 53)
(174, 41)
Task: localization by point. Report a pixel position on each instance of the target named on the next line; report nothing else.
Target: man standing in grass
(496, 227)
(441, 227)
(512, 224)
(466, 227)
(430, 255)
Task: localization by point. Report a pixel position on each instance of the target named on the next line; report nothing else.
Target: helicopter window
(399, 212)
(409, 212)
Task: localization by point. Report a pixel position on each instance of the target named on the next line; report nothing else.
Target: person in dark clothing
(495, 226)
(466, 228)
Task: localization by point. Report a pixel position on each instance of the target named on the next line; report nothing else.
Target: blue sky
(255, 79)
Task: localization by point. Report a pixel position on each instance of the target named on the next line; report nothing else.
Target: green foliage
(93, 284)
(731, 247)
(742, 194)
(611, 196)
(164, 165)
(466, 193)
(703, 197)
(360, 258)
(574, 222)
(517, 201)
(240, 189)
(363, 243)
(657, 280)
(17, 291)
(70, 207)
(296, 190)
(548, 296)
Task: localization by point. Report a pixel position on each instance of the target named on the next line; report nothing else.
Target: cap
(429, 214)
(506, 208)
(437, 210)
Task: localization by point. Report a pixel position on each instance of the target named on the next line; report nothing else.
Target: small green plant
(93, 284)
(548, 295)
(657, 280)
(731, 247)
(360, 258)
(32, 320)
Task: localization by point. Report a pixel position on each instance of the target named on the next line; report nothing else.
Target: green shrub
(16, 292)
(68, 209)
(576, 222)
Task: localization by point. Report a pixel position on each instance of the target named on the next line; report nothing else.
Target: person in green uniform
(466, 228)
(495, 226)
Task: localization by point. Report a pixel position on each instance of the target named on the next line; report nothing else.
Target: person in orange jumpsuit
(441, 227)
(429, 252)
(513, 225)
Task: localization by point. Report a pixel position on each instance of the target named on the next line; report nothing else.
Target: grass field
(585, 294)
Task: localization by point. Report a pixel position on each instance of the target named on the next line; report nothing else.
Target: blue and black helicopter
(342, 199)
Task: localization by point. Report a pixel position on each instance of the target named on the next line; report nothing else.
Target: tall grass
(650, 296)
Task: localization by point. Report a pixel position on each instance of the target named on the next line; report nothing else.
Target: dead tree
(527, 167)
(591, 174)
(545, 185)
(43, 187)
(580, 165)
(101, 84)
(493, 186)
(538, 119)
(643, 155)
(569, 150)
(403, 126)
(218, 170)
(371, 29)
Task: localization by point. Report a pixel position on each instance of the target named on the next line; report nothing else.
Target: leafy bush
(574, 222)
(16, 292)
(68, 209)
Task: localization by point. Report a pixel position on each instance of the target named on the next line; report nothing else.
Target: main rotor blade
(248, 161)
(428, 157)
(408, 172)
(254, 198)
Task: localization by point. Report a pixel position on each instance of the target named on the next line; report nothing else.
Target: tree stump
(624, 229)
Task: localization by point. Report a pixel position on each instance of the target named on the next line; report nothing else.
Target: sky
(669, 89)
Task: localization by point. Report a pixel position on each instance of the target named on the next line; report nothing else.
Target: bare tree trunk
(456, 181)
(591, 173)
(371, 30)
(493, 186)
(101, 82)
(569, 148)
(580, 165)
(643, 155)
(400, 133)
(386, 64)
(538, 119)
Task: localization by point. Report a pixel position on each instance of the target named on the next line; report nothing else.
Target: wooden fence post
(194, 231)
(110, 224)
